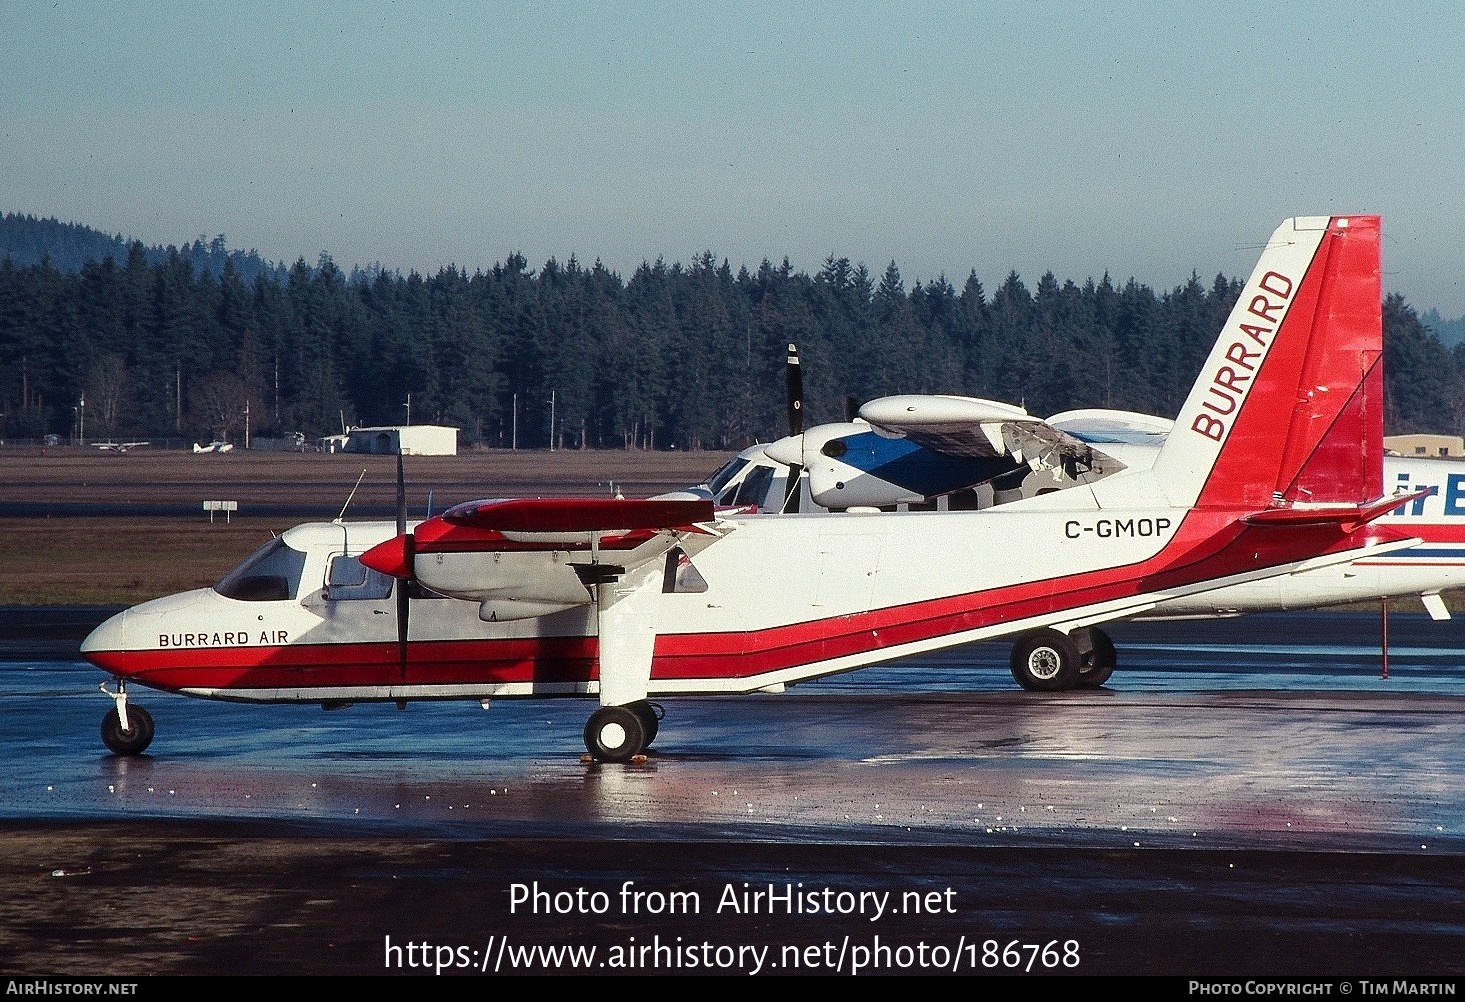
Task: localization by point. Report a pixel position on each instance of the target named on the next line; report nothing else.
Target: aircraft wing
(555, 515)
(527, 557)
(971, 427)
(1099, 426)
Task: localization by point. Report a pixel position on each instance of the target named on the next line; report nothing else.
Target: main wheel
(614, 734)
(650, 714)
(132, 741)
(1045, 661)
(1101, 662)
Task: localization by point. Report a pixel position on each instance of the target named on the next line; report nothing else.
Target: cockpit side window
(754, 490)
(348, 579)
(271, 574)
(729, 470)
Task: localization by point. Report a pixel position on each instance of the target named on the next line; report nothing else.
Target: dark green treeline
(689, 356)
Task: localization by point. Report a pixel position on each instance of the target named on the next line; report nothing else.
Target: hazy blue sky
(1146, 140)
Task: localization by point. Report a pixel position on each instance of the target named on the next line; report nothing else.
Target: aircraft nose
(111, 635)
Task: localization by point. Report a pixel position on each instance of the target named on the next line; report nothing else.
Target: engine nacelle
(504, 610)
(852, 466)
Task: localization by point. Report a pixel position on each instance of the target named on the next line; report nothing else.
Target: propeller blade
(409, 552)
(794, 381)
(401, 498)
(404, 607)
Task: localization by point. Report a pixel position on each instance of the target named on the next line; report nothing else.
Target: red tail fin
(1289, 406)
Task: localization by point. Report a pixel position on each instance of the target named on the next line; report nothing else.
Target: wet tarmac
(1244, 798)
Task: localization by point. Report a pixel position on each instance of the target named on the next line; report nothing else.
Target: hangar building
(1432, 446)
(409, 440)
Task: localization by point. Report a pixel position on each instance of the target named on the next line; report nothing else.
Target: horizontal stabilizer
(1347, 517)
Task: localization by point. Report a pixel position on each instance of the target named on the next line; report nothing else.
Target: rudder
(1288, 408)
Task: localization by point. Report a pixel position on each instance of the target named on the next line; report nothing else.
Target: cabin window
(270, 574)
(348, 579)
(680, 577)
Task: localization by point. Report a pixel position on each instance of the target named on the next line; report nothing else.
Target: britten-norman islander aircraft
(1274, 466)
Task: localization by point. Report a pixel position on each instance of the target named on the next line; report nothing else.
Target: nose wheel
(126, 729)
(132, 739)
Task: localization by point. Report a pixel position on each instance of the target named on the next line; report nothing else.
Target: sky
(1144, 140)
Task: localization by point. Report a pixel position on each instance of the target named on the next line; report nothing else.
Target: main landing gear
(126, 730)
(620, 733)
(1049, 661)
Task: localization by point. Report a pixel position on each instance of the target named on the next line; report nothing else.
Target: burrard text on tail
(1288, 406)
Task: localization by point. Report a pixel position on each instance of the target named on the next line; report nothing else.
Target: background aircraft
(857, 466)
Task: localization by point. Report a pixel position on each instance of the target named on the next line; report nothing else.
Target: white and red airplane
(1274, 467)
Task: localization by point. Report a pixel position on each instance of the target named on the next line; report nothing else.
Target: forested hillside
(27, 240)
(676, 355)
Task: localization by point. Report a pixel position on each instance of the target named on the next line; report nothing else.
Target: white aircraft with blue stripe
(920, 452)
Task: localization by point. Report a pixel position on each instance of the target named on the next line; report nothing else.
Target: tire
(1102, 661)
(614, 734)
(135, 739)
(1045, 661)
(650, 714)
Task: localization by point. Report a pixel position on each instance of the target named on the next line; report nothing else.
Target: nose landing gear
(126, 730)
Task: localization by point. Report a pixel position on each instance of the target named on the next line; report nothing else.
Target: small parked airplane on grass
(1273, 468)
(121, 447)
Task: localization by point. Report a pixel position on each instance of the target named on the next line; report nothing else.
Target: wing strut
(626, 621)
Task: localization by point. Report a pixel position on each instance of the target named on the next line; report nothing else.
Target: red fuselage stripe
(1207, 545)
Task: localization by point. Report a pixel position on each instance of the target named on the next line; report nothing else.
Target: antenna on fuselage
(341, 517)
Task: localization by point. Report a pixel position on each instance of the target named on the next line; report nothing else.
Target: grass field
(125, 560)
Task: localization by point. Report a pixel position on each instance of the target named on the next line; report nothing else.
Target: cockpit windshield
(270, 574)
